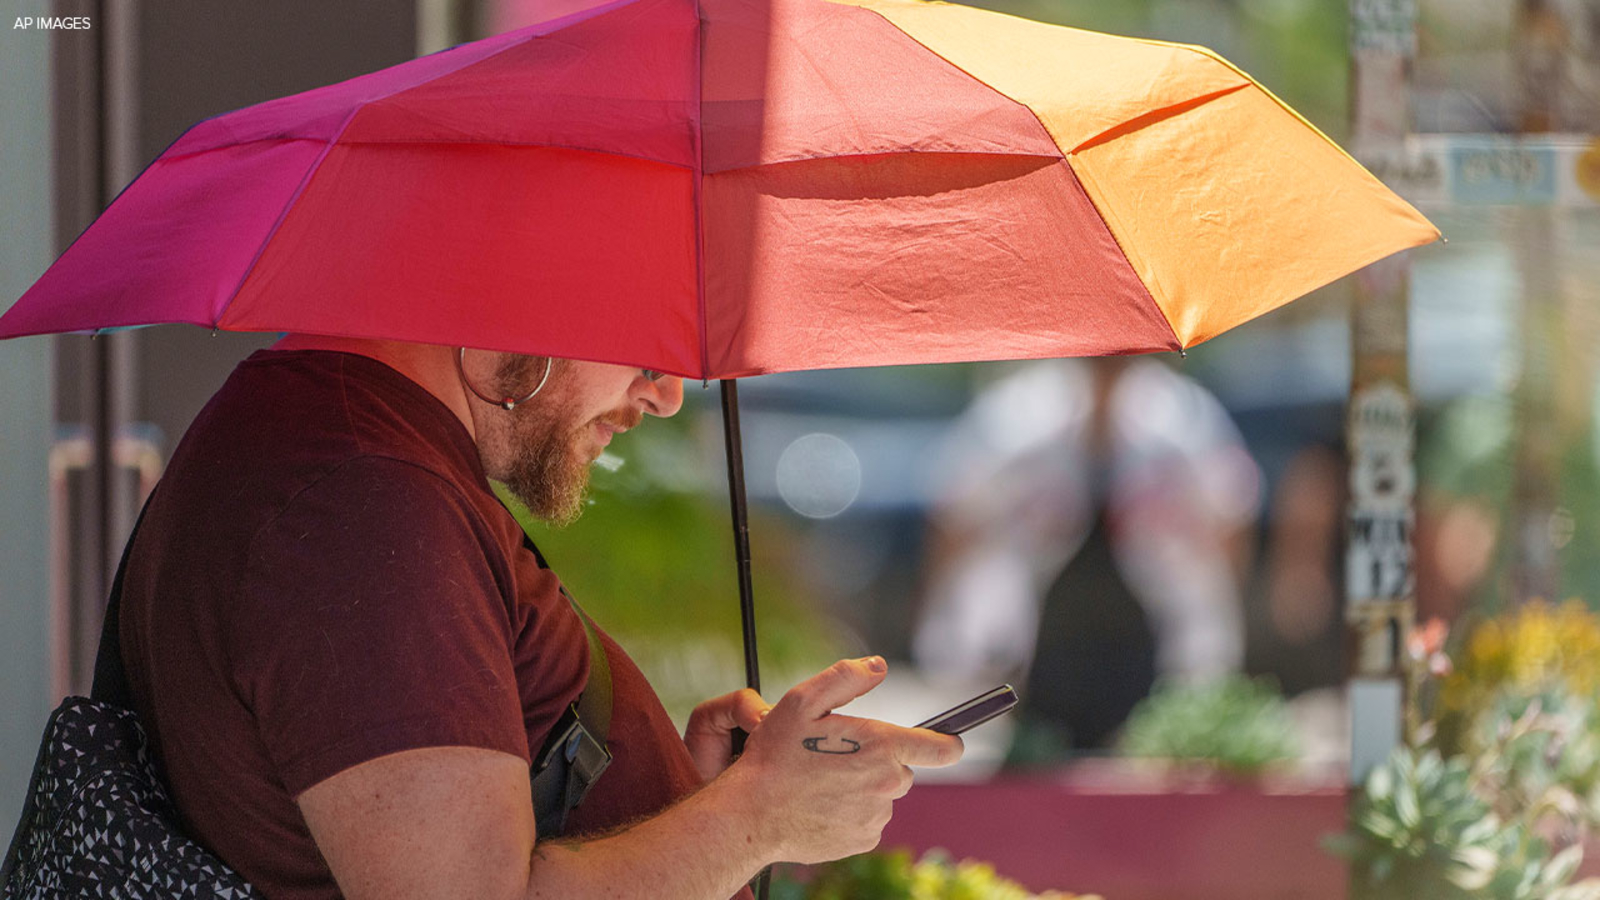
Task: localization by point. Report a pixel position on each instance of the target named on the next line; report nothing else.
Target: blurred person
(1295, 626)
(347, 654)
(1091, 536)
(1304, 588)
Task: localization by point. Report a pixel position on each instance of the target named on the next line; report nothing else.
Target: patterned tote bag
(97, 821)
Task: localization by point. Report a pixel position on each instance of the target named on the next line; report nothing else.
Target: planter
(1128, 832)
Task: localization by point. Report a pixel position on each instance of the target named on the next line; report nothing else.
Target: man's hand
(710, 732)
(827, 783)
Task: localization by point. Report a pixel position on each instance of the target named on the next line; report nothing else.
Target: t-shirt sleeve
(373, 619)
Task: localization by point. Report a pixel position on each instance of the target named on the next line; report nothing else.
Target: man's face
(542, 449)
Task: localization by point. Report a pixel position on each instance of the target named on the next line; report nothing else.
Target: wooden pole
(1541, 433)
(1379, 583)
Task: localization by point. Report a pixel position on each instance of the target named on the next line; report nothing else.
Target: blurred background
(1084, 529)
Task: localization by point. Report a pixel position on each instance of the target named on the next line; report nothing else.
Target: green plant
(892, 875)
(1497, 801)
(1422, 828)
(1540, 755)
(1236, 725)
(1419, 830)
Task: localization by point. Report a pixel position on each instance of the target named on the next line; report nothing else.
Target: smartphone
(974, 712)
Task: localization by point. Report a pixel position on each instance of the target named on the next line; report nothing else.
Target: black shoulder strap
(594, 704)
(574, 755)
(110, 677)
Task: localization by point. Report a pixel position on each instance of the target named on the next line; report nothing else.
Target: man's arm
(458, 821)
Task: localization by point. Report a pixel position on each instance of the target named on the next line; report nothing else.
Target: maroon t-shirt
(325, 577)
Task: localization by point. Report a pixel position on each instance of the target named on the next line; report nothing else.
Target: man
(346, 657)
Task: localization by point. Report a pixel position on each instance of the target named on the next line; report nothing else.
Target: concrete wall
(25, 396)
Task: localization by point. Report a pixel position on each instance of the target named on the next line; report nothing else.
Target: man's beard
(548, 468)
(545, 470)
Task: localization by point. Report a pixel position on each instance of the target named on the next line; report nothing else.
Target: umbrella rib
(299, 190)
(1135, 261)
(698, 135)
(1065, 160)
(1156, 115)
(1213, 55)
(946, 60)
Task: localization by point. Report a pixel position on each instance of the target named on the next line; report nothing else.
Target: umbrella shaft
(741, 529)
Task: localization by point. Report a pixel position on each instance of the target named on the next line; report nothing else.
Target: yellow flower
(1535, 646)
(1526, 648)
(1486, 651)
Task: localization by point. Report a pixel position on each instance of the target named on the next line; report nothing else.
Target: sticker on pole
(1382, 485)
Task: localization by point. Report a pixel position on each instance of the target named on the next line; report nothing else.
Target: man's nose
(662, 397)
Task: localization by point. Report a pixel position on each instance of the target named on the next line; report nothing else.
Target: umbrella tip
(1183, 353)
(213, 331)
(705, 384)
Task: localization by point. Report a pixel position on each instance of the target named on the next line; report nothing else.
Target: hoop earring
(505, 403)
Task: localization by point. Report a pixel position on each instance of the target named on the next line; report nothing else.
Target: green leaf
(1380, 784)
(1406, 806)
(1478, 866)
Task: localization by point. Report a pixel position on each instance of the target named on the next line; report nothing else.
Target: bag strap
(110, 677)
(594, 704)
(574, 755)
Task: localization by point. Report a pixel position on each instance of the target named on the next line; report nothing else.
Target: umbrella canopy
(719, 188)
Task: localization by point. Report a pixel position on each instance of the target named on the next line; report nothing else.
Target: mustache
(626, 417)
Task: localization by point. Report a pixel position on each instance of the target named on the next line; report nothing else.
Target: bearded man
(346, 655)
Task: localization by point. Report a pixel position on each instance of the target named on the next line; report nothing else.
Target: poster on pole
(1382, 486)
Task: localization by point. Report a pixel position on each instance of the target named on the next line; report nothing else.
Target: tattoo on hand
(811, 743)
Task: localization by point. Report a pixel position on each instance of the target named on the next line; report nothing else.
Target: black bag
(97, 821)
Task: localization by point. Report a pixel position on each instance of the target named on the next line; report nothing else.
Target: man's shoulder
(285, 421)
(380, 489)
(342, 404)
(301, 450)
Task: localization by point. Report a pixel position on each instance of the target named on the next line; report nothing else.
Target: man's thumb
(838, 684)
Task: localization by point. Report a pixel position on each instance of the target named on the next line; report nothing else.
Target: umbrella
(722, 188)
